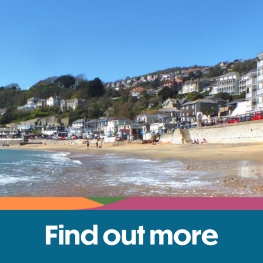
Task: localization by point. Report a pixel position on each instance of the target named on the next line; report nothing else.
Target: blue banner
(131, 236)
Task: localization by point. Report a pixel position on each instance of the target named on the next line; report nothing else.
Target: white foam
(11, 179)
(76, 161)
(62, 158)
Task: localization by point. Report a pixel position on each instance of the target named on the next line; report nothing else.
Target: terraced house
(191, 109)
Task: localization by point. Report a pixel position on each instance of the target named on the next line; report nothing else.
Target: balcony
(259, 92)
(260, 64)
(248, 95)
(260, 105)
(251, 81)
(260, 78)
(253, 107)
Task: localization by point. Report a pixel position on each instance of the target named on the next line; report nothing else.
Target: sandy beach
(240, 164)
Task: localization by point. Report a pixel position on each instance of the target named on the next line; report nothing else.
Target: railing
(257, 115)
(250, 81)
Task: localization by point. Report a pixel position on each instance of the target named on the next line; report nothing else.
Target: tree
(144, 94)
(12, 86)
(244, 66)
(242, 95)
(111, 93)
(214, 72)
(156, 83)
(96, 88)
(66, 81)
(224, 95)
(7, 117)
(192, 96)
(124, 111)
(81, 77)
(124, 92)
(166, 92)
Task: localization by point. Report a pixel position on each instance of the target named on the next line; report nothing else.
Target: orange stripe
(47, 203)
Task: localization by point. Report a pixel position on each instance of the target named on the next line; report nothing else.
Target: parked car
(257, 116)
(233, 120)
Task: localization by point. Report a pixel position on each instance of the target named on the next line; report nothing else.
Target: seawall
(230, 133)
(4, 142)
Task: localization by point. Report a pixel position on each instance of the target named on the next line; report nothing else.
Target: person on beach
(195, 142)
(87, 144)
(204, 140)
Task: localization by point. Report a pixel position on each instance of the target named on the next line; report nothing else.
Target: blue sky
(113, 39)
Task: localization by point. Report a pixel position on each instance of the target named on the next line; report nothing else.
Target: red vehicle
(257, 116)
(62, 138)
(233, 120)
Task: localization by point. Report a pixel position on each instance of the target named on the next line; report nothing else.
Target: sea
(47, 173)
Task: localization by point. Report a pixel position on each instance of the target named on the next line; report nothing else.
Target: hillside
(108, 99)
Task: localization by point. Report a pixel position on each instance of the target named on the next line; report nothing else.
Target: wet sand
(241, 164)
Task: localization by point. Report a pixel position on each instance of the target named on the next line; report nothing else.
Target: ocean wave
(47, 172)
(12, 179)
(62, 158)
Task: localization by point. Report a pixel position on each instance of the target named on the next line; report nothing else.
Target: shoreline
(239, 164)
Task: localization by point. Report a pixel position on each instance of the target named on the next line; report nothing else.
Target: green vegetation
(191, 96)
(244, 66)
(108, 102)
(99, 102)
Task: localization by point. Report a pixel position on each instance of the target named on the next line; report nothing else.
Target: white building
(31, 104)
(77, 127)
(53, 101)
(214, 90)
(248, 84)
(228, 83)
(259, 103)
(113, 123)
(195, 85)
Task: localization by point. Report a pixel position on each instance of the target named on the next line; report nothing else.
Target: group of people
(98, 145)
(197, 141)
